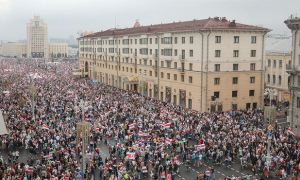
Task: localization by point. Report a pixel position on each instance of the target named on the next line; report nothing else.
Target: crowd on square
(146, 138)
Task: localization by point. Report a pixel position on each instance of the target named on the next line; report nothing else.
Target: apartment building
(207, 65)
(293, 23)
(276, 76)
(37, 38)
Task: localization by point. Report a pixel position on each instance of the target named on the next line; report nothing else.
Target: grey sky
(67, 17)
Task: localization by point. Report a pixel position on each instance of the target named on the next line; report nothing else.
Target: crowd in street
(146, 138)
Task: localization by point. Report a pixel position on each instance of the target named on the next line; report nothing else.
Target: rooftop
(216, 23)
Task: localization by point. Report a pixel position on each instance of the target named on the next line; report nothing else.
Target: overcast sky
(67, 17)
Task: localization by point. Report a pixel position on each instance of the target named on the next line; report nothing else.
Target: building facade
(293, 23)
(58, 50)
(276, 76)
(37, 38)
(13, 49)
(206, 65)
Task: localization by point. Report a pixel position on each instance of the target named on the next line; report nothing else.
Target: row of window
(235, 53)
(275, 63)
(164, 40)
(274, 79)
(162, 74)
(235, 80)
(235, 67)
(236, 39)
(234, 94)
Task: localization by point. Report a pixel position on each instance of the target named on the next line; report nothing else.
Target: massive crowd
(145, 137)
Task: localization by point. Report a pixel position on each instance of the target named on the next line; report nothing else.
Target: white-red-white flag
(130, 155)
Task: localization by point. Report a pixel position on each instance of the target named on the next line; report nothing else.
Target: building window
(183, 40)
(235, 80)
(235, 53)
(269, 62)
(252, 66)
(274, 63)
(217, 53)
(279, 80)
(280, 63)
(175, 77)
(298, 102)
(252, 80)
(191, 66)
(248, 105)
(175, 40)
(162, 64)
(235, 67)
(234, 94)
(191, 53)
(191, 40)
(218, 39)
(190, 79)
(274, 79)
(236, 39)
(168, 64)
(253, 53)
(269, 78)
(298, 77)
(175, 52)
(253, 39)
(217, 81)
(182, 78)
(217, 67)
(251, 92)
(216, 94)
(190, 103)
(162, 75)
(298, 59)
(150, 73)
(234, 106)
(175, 65)
(168, 75)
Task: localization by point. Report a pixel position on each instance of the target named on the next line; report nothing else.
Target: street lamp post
(269, 134)
(84, 133)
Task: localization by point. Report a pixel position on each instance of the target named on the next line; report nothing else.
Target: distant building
(293, 23)
(207, 65)
(276, 77)
(58, 50)
(13, 49)
(37, 45)
(37, 38)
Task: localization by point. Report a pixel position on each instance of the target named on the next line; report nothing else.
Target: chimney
(232, 23)
(224, 19)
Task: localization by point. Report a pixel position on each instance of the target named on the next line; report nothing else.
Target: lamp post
(84, 133)
(269, 134)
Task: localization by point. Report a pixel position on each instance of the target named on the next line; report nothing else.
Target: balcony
(290, 69)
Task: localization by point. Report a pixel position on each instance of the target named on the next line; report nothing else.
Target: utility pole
(33, 94)
(270, 128)
(83, 129)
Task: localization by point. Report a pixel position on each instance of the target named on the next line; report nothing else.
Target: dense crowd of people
(145, 137)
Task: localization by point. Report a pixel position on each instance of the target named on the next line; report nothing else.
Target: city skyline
(65, 18)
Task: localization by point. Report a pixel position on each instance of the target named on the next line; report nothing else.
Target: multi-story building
(13, 49)
(276, 77)
(58, 50)
(37, 38)
(206, 65)
(293, 23)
